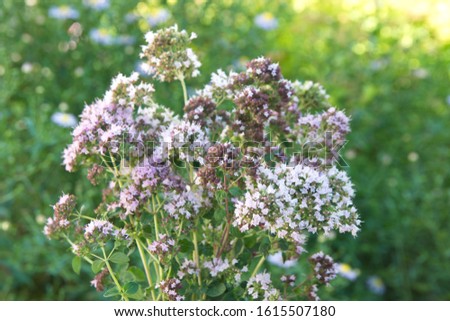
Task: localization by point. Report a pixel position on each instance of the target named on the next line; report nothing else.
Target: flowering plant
(193, 205)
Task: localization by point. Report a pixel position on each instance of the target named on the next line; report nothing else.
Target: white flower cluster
(102, 229)
(216, 266)
(168, 56)
(260, 287)
(127, 91)
(315, 128)
(310, 95)
(187, 203)
(290, 200)
(220, 85)
(185, 140)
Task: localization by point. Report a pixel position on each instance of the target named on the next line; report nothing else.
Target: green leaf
(147, 231)
(119, 258)
(209, 214)
(283, 244)
(97, 266)
(186, 246)
(215, 290)
(220, 214)
(220, 197)
(250, 241)
(111, 292)
(131, 288)
(76, 264)
(138, 273)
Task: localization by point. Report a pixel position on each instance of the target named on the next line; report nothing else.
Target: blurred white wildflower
(266, 21)
(97, 4)
(131, 17)
(277, 259)
(376, 285)
(448, 100)
(63, 12)
(27, 67)
(378, 64)
(102, 36)
(413, 157)
(346, 271)
(140, 68)
(64, 119)
(158, 16)
(420, 73)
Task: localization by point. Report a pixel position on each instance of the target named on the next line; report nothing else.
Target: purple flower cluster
(162, 246)
(60, 220)
(324, 267)
(170, 288)
(98, 230)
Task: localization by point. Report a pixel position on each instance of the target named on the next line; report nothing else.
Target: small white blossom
(266, 21)
(64, 119)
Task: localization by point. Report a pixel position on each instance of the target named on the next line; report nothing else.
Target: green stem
(155, 219)
(196, 258)
(147, 271)
(183, 85)
(258, 266)
(113, 276)
(73, 244)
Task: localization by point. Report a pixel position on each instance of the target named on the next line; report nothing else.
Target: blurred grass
(386, 63)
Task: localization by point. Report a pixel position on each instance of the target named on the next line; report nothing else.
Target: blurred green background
(387, 63)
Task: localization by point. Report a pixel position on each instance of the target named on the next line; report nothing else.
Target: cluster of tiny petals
(101, 229)
(290, 200)
(161, 246)
(188, 268)
(167, 55)
(199, 109)
(146, 177)
(310, 95)
(99, 279)
(259, 287)
(325, 269)
(100, 131)
(216, 266)
(185, 140)
(315, 128)
(127, 91)
(61, 210)
(171, 287)
(220, 85)
(264, 69)
(288, 279)
(312, 293)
